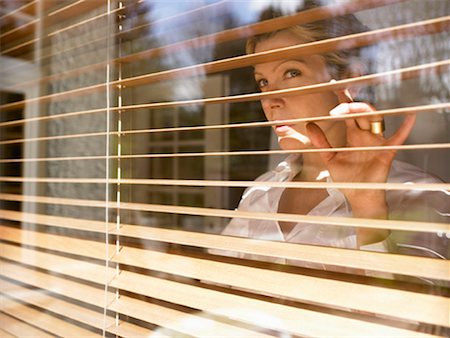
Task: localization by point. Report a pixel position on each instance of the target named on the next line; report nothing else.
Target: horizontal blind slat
(199, 298)
(427, 308)
(68, 266)
(421, 307)
(382, 262)
(303, 17)
(5, 334)
(231, 153)
(151, 313)
(187, 323)
(89, 248)
(56, 221)
(340, 221)
(69, 11)
(116, 35)
(85, 7)
(285, 318)
(82, 314)
(443, 187)
(129, 330)
(62, 286)
(17, 328)
(44, 320)
(358, 259)
(26, 8)
(323, 46)
(61, 307)
(311, 15)
(386, 112)
(403, 73)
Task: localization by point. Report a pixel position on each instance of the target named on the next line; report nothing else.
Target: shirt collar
(292, 165)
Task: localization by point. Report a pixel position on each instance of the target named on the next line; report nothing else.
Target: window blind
(131, 129)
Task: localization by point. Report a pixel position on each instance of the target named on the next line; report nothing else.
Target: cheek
(315, 104)
(266, 108)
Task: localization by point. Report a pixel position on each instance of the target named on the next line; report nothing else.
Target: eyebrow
(284, 61)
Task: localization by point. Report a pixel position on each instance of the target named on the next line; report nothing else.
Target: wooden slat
(64, 244)
(28, 9)
(426, 146)
(192, 324)
(371, 261)
(67, 288)
(395, 303)
(152, 313)
(242, 32)
(17, 33)
(426, 308)
(43, 320)
(47, 301)
(404, 73)
(82, 6)
(339, 221)
(318, 47)
(5, 334)
(440, 187)
(68, 266)
(235, 307)
(430, 108)
(357, 259)
(252, 311)
(61, 286)
(53, 17)
(96, 66)
(17, 328)
(129, 330)
(302, 17)
(56, 221)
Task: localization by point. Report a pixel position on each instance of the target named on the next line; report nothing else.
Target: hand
(360, 166)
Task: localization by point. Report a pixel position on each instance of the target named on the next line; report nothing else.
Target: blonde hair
(338, 62)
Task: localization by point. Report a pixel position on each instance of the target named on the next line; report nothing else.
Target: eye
(262, 83)
(292, 73)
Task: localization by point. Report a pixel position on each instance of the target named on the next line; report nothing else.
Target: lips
(283, 128)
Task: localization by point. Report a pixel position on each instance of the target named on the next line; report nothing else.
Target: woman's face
(288, 73)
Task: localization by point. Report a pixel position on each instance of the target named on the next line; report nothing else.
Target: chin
(294, 142)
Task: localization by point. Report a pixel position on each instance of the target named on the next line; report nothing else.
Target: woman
(348, 167)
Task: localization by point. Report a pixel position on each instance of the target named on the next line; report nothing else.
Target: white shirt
(403, 204)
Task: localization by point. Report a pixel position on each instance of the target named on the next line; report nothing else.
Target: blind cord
(107, 171)
(119, 153)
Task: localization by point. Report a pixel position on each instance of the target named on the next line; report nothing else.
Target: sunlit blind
(129, 130)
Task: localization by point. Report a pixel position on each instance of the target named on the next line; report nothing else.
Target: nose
(272, 103)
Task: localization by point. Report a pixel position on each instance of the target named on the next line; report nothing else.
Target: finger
(354, 107)
(319, 140)
(403, 132)
(363, 123)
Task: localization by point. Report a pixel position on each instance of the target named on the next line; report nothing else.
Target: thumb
(319, 140)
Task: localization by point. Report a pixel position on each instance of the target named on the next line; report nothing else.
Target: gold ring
(377, 127)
